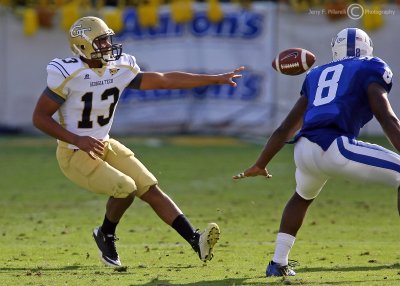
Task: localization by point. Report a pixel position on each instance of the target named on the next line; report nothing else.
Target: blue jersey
(337, 98)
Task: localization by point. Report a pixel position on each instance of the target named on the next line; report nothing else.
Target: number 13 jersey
(88, 96)
(338, 100)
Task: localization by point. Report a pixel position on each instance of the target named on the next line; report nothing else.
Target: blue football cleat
(275, 269)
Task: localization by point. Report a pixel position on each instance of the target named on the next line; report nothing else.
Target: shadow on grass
(243, 281)
(361, 282)
(45, 269)
(351, 268)
(155, 282)
(223, 282)
(383, 281)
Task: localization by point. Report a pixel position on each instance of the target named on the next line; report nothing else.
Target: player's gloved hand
(92, 146)
(252, 172)
(227, 78)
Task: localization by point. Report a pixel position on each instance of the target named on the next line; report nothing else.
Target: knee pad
(123, 187)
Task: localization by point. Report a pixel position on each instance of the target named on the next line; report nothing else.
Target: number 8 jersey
(88, 96)
(337, 98)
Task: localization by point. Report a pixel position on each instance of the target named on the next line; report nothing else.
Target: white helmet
(351, 42)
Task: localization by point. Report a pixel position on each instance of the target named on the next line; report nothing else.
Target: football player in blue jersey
(337, 99)
(84, 90)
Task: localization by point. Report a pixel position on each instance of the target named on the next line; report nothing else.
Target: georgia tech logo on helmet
(78, 31)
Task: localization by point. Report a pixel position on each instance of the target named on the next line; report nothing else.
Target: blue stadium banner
(242, 37)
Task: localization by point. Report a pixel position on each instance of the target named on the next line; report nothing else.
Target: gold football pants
(117, 173)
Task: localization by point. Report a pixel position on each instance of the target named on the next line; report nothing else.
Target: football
(293, 61)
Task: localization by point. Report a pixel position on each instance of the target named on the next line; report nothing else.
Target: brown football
(293, 61)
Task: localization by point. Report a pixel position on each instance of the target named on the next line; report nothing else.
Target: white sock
(284, 243)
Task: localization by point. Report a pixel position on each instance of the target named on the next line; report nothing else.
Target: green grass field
(350, 236)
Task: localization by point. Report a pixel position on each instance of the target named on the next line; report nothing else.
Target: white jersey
(89, 96)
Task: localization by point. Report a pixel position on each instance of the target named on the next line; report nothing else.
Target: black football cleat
(106, 245)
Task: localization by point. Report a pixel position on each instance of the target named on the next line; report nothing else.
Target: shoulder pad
(378, 71)
(375, 63)
(65, 67)
(126, 60)
(129, 61)
(312, 69)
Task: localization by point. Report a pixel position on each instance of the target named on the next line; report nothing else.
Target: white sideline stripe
(363, 150)
(304, 60)
(277, 64)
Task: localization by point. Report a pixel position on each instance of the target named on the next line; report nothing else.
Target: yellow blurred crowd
(40, 13)
(37, 14)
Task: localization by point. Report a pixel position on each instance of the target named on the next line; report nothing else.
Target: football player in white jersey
(84, 90)
(336, 100)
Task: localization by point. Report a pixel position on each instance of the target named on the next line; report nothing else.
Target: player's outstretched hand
(252, 172)
(92, 146)
(227, 78)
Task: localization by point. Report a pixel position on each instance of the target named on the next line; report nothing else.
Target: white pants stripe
(348, 158)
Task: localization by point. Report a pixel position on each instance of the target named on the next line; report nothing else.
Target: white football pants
(348, 158)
